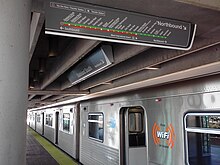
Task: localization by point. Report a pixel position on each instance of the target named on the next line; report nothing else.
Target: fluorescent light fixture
(152, 68)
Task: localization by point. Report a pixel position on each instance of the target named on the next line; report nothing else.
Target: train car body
(58, 125)
(172, 124)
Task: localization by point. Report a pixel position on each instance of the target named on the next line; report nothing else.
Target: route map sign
(68, 18)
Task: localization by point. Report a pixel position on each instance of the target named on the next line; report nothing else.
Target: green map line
(113, 30)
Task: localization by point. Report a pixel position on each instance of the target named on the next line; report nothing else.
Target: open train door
(133, 136)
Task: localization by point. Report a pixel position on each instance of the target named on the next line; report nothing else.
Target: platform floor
(41, 152)
(36, 154)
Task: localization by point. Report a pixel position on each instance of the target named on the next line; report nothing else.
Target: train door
(133, 136)
(76, 119)
(56, 127)
(43, 123)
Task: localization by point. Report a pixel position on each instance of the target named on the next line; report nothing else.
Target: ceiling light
(155, 67)
(53, 46)
(31, 85)
(36, 76)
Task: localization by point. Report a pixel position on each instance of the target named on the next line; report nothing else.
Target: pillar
(14, 45)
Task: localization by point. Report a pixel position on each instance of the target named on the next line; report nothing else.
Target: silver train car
(59, 125)
(175, 124)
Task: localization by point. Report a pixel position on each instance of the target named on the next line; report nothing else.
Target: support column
(14, 45)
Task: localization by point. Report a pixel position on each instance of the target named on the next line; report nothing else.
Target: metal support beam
(77, 49)
(38, 102)
(31, 97)
(55, 98)
(194, 61)
(144, 60)
(37, 6)
(121, 53)
(35, 29)
(45, 97)
(68, 98)
(210, 4)
(51, 92)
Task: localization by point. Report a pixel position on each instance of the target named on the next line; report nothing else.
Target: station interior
(49, 51)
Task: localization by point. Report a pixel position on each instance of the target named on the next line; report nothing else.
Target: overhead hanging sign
(69, 18)
(91, 65)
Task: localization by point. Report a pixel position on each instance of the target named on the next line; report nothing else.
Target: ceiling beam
(38, 6)
(206, 57)
(56, 92)
(210, 4)
(192, 73)
(67, 98)
(31, 97)
(45, 97)
(37, 22)
(144, 60)
(121, 53)
(55, 98)
(77, 49)
(38, 103)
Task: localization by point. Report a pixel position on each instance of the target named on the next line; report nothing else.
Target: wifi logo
(168, 135)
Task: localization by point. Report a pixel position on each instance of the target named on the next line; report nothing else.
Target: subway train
(170, 124)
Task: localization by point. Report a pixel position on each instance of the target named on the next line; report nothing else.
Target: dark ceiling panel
(129, 60)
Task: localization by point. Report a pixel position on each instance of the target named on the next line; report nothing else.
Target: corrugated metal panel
(49, 133)
(95, 153)
(39, 128)
(66, 143)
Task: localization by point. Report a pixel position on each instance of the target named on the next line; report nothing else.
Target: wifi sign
(163, 135)
(168, 134)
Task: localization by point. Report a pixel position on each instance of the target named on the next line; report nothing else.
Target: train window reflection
(203, 149)
(38, 118)
(203, 138)
(136, 127)
(135, 122)
(66, 122)
(49, 119)
(203, 121)
(96, 126)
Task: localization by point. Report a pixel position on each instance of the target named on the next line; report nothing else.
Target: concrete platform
(36, 154)
(40, 151)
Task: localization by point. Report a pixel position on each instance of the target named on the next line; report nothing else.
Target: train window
(66, 122)
(38, 118)
(135, 122)
(96, 126)
(49, 119)
(203, 121)
(136, 127)
(203, 138)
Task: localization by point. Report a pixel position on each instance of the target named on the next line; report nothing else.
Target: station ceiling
(52, 57)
